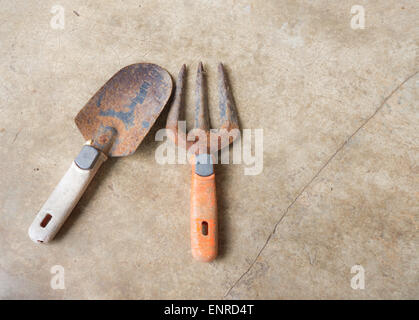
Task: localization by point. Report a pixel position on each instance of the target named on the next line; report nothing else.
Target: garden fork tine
(229, 128)
(228, 113)
(201, 110)
(204, 225)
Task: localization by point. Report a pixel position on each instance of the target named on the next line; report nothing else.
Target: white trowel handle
(66, 194)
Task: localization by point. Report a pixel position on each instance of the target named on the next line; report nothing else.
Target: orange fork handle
(204, 233)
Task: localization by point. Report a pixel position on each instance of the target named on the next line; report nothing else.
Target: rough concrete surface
(339, 187)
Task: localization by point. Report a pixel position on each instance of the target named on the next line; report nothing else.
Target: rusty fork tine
(173, 116)
(201, 110)
(228, 114)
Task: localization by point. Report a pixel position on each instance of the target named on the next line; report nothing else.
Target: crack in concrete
(314, 177)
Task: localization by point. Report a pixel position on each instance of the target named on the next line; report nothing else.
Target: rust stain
(217, 139)
(129, 103)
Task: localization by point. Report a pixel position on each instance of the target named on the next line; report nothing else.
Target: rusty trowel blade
(129, 102)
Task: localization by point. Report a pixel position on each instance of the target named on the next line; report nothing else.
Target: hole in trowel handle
(46, 220)
(204, 228)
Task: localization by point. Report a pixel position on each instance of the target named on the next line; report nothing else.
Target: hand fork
(206, 142)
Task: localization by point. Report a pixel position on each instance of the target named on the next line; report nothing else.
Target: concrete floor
(340, 182)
